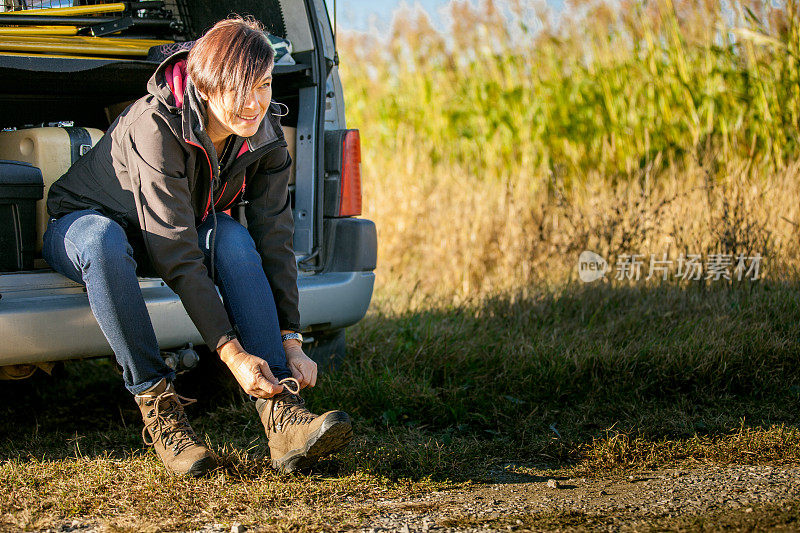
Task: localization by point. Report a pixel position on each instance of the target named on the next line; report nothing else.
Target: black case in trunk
(21, 186)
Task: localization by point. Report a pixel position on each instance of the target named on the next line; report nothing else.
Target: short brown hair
(233, 55)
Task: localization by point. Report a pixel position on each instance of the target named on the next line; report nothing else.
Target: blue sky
(363, 15)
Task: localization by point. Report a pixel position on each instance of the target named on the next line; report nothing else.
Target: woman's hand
(303, 368)
(252, 373)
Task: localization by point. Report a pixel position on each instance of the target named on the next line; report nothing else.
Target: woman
(203, 139)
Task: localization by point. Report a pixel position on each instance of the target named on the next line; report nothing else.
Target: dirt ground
(693, 497)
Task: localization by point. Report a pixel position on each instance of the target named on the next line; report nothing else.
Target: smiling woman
(204, 138)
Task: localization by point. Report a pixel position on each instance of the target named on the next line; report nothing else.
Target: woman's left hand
(303, 368)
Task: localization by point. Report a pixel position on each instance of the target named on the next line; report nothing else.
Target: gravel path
(707, 498)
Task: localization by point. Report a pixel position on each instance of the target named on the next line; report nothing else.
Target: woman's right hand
(252, 373)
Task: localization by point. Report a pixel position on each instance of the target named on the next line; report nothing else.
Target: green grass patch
(585, 379)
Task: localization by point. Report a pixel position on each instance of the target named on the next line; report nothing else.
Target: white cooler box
(53, 150)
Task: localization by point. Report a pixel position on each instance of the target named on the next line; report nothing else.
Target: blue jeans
(93, 250)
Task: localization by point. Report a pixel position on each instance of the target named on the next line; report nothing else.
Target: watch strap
(227, 337)
(293, 335)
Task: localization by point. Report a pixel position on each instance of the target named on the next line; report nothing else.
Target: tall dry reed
(498, 150)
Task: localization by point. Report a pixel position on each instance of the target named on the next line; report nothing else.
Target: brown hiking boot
(297, 437)
(168, 431)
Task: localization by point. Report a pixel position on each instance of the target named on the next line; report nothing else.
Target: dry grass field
(498, 151)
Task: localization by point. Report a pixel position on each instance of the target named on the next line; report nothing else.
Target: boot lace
(169, 423)
(290, 407)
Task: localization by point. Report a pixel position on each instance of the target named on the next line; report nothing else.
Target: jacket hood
(172, 88)
(158, 86)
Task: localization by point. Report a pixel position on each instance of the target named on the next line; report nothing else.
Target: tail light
(342, 173)
(350, 198)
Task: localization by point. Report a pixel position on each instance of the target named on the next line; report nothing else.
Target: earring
(284, 106)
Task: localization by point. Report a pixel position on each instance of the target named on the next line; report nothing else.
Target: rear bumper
(46, 317)
(351, 246)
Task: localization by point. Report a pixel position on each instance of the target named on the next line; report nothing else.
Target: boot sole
(335, 433)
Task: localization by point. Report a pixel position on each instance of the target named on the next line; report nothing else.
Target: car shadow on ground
(86, 402)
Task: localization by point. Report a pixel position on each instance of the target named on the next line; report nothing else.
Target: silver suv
(56, 100)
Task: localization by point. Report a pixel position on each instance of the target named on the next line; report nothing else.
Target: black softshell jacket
(155, 171)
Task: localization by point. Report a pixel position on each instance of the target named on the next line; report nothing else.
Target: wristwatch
(227, 337)
(293, 335)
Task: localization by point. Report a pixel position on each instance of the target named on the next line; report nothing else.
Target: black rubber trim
(351, 245)
(319, 76)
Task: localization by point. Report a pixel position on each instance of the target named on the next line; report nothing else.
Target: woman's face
(224, 121)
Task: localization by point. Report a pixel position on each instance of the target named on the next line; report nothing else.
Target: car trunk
(51, 89)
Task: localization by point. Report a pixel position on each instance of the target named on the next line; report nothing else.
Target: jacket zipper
(244, 184)
(241, 191)
(221, 194)
(210, 185)
(242, 151)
